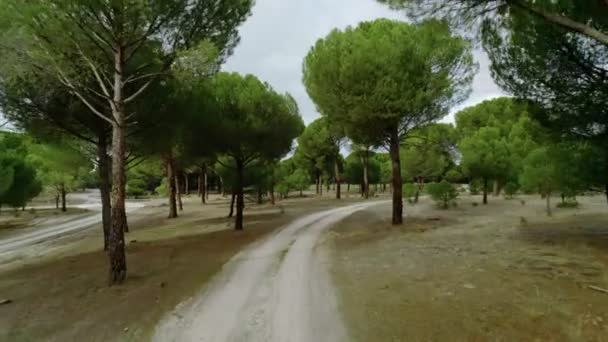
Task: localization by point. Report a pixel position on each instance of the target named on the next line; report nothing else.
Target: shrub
(511, 189)
(136, 187)
(568, 204)
(474, 187)
(409, 191)
(442, 193)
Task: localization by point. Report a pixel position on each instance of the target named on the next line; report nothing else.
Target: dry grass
(473, 274)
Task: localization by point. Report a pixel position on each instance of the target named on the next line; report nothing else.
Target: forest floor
(500, 272)
(64, 295)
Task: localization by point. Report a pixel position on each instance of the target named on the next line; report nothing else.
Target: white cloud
(277, 37)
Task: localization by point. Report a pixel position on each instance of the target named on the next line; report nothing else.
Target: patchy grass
(473, 273)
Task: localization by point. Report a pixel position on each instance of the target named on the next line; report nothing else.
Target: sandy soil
(501, 272)
(276, 290)
(63, 296)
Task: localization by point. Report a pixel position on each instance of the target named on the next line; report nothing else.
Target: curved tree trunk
(105, 188)
(397, 181)
(172, 188)
(240, 200)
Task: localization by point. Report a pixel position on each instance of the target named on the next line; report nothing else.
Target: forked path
(276, 290)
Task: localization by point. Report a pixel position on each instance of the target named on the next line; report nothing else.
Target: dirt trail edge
(275, 290)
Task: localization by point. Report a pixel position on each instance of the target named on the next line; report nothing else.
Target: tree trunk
(606, 192)
(206, 185)
(105, 187)
(347, 187)
(178, 191)
(260, 201)
(57, 201)
(199, 190)
(272, 199)
(171, 183)
(548, 199)
(186, 184)
(240, 201)
(116, 248)
(318, 180)
(63, 201)
(327, 186)
(364, 161)
(204, 190)
(231, 213)
(338, 179)
(222, 189)
(496, 188)
(397, 181)
(485, 191)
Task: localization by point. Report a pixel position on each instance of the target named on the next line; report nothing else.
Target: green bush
(136, 187)
(475, 187)
(568, 204)
(442, 193)
(511, 189)
(163, 188)
(409, 191)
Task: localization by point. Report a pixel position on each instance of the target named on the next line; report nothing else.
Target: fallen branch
(599, 289)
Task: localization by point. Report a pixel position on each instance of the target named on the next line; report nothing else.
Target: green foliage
(353, 169)
(453, 176)
(442, 193)
(251, 115)
(18, 179)
(145, 178)
(361, 78)
(136, 187)
(163, 188)
(409, 191)
(511, 189)
(485, 154)
(317, 147)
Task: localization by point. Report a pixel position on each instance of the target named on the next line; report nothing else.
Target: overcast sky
(277, 37)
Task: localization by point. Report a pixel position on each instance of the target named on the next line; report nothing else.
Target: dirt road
(276, 290)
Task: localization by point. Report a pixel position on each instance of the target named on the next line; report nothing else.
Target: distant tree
(61, 168)
(318, 151)
(485, 156)
(252, 115)
(385, 78)
(540, 174)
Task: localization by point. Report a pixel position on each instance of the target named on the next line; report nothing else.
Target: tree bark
(338, 179)
(199, 190)
(105, 187)
(548, 198)
(186, 184)
(116, 248)
(260, 201)
(272, 199)
(231, 213)
(318, 183)
(240, 201)
(222, 188)
(485, 191)
(63, 201)
(178, 192)
(397, 181)
(495, 189)
(347, 187)
(57, 201)
(171, 183)
(606, 189)
(204, 183)
(365, 162)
